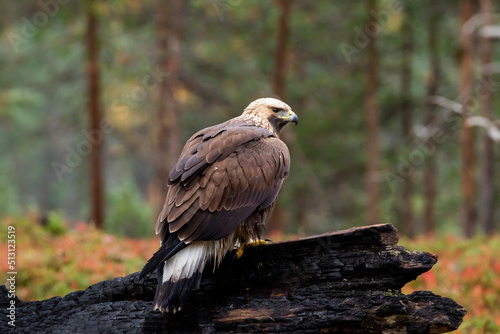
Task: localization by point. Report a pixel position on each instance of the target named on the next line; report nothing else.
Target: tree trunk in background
(372, 122)
(169, 143)
(95, 117)
(406, 118)
(432, 90)
(279, 85)
(278, 220)
(486, 158)
(467, 136)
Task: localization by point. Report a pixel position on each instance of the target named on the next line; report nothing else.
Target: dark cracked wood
(343, 282)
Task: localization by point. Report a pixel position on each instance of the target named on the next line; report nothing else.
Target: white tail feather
(185, 263)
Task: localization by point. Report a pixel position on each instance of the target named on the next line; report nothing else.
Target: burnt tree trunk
(344, 282)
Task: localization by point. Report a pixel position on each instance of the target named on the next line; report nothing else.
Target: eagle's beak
(292, 117)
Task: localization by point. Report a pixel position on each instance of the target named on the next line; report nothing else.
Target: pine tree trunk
(95, 117)
(372, 188)
(486, 158)
(169, 142)
(278, 218)
(430, 171)
(467, 135)
(279, 79)
(406, 118)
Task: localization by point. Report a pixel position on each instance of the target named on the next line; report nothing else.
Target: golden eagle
(220, 192)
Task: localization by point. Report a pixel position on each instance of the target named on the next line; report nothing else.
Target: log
(341, 282)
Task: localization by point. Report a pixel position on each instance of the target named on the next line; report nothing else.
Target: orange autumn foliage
(53, 265)
(468, 271)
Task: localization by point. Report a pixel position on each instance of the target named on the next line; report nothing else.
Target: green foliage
(128, 213)
(9, 198)
(56, 224)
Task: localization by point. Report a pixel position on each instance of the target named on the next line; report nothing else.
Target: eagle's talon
(260, 242)
(239, 252)
(253, 243)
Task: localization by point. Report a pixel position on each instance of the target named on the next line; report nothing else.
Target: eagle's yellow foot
(253, 243)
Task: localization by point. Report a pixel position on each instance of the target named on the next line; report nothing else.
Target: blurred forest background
(397, 105)
(97, 99)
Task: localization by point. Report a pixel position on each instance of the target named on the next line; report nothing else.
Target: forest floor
(54, 260)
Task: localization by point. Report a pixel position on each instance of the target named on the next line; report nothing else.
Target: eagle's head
(270, 112)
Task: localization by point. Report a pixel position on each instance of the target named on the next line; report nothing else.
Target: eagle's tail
(180, 274)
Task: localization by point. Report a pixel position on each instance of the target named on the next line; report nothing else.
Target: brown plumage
(220, 192)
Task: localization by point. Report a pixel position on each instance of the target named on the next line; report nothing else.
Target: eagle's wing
(224, 174)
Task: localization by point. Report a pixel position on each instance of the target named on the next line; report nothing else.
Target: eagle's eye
(275, 109)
